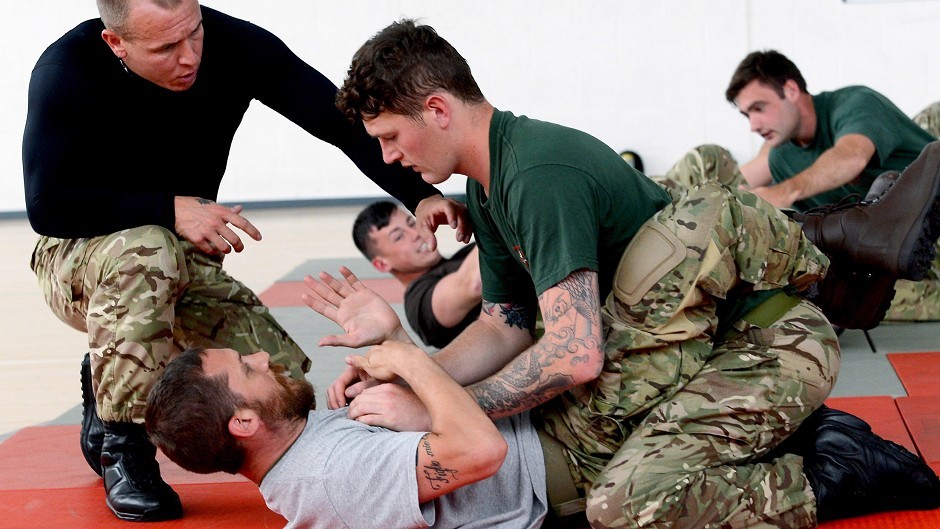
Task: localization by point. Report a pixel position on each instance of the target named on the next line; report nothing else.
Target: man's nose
(755, 123)
(390, 154)
(259, 361)
(187, 53)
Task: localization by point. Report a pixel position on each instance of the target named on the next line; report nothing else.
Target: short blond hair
(114, 13)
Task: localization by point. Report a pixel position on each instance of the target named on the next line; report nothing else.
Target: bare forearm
(463, 445)
(480, 351)
(830, 171)
(456, 294)
(450, 407)
(834, 168)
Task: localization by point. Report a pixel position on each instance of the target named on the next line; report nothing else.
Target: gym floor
(39, 382)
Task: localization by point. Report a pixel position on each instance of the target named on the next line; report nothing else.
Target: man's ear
(438, 107)
(791, 90)
(381, 265)
(115, 42)
(244, 423)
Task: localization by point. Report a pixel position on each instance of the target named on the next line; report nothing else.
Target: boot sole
(917, 250)
(152, 516)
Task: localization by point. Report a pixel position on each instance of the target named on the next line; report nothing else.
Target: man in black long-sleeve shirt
(131, 119)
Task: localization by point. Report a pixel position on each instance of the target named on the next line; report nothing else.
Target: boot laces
(846, 202)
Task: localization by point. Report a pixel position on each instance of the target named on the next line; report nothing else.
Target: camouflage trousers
(920, 300)
(670, 433)
(142, 295)
(913, 301)
(917, 300)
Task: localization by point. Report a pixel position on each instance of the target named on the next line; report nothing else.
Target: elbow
(39, 220)
(476, 287)
(44, 223)
(588, 368)
(491, 454)
(41, 211)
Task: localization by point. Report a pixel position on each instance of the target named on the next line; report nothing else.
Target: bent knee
(624, 504)
(145, 244)
(145, 251)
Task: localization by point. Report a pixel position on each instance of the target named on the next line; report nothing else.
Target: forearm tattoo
(571, 312)
(436, 474)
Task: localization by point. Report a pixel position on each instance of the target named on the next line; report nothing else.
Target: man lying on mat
(215, 411)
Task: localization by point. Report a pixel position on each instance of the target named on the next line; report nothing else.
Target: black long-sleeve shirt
(106, 150)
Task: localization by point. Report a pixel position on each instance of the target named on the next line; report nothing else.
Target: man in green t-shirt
(821, 148)
(676, 353)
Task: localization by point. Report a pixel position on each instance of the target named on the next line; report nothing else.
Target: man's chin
(433, 178)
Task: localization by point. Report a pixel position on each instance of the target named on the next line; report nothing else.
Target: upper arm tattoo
(578, 294)
(522, 316)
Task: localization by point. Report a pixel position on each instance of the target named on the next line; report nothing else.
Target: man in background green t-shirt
(820, 148)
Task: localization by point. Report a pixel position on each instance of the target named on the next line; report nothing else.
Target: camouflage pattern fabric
(142, 295)
(651, 439)
(929, 119)
(917, 300)
(914, 301)
(920, 300)
(702, 164)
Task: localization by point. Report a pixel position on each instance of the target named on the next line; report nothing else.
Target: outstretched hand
(435, 211)
(366, 318)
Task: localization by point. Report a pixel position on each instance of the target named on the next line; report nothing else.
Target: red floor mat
(919, 372)
(922, 417)
(889, 520)
(205, 506)
(48, 457)
(879, 412)
(46, 484)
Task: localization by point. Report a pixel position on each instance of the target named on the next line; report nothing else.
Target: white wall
(640, 74)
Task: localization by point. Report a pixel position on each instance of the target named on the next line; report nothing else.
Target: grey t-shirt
(345, 474)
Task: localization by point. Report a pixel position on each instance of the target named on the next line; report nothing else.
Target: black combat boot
(853, 471)
(894, 234)
(92, 434)
(135, 491)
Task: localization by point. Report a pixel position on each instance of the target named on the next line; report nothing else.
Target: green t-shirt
(560, 200)
(852, 110)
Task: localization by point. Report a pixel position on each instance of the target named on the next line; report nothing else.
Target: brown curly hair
(398, 67)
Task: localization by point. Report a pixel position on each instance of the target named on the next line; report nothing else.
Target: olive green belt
(771, 309)
(563, 496)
